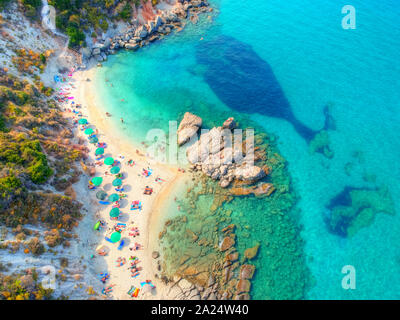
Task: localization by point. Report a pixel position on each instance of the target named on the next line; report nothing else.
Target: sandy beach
(148, 220)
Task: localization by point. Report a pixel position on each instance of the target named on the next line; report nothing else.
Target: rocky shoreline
(139, 35)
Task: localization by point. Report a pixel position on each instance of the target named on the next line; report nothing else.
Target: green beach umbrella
(115, 237)
(97, 181)
(96, 226)
(115, 170)
(114, 212)
(117, 182)
(113, 197)
(88, 131)
(82, 121)
(99, 151)
(101, 195)
(108, 161)
(94, 140)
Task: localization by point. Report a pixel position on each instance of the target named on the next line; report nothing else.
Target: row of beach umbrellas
(97, 181)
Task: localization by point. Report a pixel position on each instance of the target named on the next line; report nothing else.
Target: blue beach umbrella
(108, 161)
(113, 197)
(88, 131)
(115, 170)
(99, 151)
(117, 182)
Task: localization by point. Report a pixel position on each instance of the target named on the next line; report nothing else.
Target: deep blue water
(286, 62)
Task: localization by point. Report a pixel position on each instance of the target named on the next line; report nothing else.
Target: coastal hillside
(40, 155)
(38, 161)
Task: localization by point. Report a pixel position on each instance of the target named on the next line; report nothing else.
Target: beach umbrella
(82, 121)
(97, 181)
(117, 182)
(99, 151)
(114, 213)
(115, 237)
(101, 195)
(115, 170)
(88, 131)
(108, 161)
(113, 197)
(94, 140)
(97, 225)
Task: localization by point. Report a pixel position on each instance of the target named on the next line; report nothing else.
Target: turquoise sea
(315, 62)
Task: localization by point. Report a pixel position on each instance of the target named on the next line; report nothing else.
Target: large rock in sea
(250, 253)
(227, 243)
(247, 271)
(188, 127)
(243, 286)
(131, 46)
(249, 173)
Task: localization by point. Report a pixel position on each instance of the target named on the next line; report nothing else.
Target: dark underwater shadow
(246, 83)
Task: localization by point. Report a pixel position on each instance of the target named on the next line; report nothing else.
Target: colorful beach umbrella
(82, 121)
(94, 140)
(113, 197)
(97, 225)
(108, 161)
(101, 195)
(115, 237)
(115, 170)
(88, 131)
(97, 181)
(117, 182)
(114, 213)
(99, 151)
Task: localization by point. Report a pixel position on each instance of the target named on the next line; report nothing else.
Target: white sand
(147, 222)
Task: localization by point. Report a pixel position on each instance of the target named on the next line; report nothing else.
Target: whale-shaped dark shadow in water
(246, 83)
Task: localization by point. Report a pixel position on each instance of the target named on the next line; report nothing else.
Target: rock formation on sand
(217, 153)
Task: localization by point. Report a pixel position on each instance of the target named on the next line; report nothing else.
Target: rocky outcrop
(220, 158)
(188, 127)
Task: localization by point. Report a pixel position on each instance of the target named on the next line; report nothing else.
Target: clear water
(315, 62)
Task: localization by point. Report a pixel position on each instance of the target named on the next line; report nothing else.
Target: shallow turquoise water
(315, 62)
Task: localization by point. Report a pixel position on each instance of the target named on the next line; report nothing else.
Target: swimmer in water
(122, 120)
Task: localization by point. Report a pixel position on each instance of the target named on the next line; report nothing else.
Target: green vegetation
(76, 18)
(23, 287)
(32, 128)
(3, 3)
(31, 7)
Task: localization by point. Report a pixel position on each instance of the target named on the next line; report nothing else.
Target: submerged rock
(247, 271)
(226, 243)
(249, 173)
(243, 286)
(250, 253)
